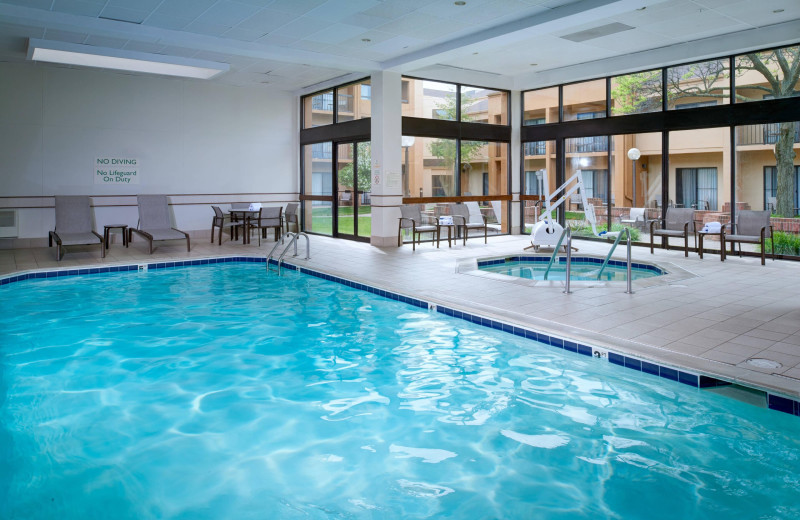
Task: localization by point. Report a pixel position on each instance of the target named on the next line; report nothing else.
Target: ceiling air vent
(597, 32)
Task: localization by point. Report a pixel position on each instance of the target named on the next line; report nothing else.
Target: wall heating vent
(9, 225)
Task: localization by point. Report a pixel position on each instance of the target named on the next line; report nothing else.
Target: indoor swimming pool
(220, 391)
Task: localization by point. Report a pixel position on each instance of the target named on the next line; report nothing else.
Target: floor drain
(763, 363)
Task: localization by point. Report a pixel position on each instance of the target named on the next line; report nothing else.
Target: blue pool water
(219, 392)
(584, 269)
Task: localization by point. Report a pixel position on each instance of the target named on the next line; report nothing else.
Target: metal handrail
(277, 243)
(626, 231)
(564, 233)
(292, 240)
(569, 262)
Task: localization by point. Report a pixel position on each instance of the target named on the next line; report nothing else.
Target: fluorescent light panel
(89, 56)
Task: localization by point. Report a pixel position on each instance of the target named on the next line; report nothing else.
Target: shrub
(785, 244)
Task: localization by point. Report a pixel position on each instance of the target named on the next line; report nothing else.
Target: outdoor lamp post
(407, 142)
(633, 155)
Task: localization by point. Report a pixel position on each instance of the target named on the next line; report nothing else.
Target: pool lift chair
(547, 232)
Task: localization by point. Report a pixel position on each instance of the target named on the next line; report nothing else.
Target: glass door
(354, 186)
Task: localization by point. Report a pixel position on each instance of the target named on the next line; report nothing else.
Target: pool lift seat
(547, 232)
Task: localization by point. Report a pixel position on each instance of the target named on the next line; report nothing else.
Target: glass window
(584, 98)
(429, 167)
(429, 99)
(701, 84)
(768, 178)
(590, 156)
(318, 109)
(318, 181)
(636, 93)
(540, 106)
(540, 157)
(763, 75)
(481, 105)
(351, 103)
(484, 164)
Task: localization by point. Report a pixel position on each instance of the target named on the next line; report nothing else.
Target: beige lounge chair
(74, 224)
(155, 223)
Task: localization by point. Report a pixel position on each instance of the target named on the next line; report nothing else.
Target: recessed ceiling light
(459, 3)
(365, 40)
(534, 64)
(776, 11)
(118, 59)
(474, 53)
(642, 8)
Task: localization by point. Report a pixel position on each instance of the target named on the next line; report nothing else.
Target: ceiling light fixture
(459, 3)
(534, 64)
(100, 57)
(365, 40)
(776, 11)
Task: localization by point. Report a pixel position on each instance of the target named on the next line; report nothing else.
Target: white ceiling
(297, 44)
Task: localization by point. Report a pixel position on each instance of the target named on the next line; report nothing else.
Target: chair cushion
(425, 228)
(668, 233)
(73, 239)
(165, 234)
(743, 238)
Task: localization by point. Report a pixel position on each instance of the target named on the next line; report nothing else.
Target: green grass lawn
(322, 221)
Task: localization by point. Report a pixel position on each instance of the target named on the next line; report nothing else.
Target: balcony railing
(322, 151)
(764, 134)
(325, 102)
(587, 144)
(536, 148)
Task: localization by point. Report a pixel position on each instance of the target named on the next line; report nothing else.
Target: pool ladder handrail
(625, 231)
(292, 241)
(567, 233)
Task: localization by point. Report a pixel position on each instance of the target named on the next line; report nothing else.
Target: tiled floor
(712, 318)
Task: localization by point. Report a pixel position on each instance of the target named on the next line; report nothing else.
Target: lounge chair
(411, 218)
(74, 224)
(154, 221)
(752, 227)
(676, 224)
(468, 216)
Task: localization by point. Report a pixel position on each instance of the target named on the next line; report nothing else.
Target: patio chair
(497, 208)
(752, 227)
(155, 223)
(635, 219)
(676, 224)
(74, 224)
(411, 218)
(290, 216)
(270, 217)
(468, 216)
(219, 221)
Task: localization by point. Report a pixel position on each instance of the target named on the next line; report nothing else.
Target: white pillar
(386, 157)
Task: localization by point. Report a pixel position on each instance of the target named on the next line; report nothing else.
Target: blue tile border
(543, 259)
(774, 402)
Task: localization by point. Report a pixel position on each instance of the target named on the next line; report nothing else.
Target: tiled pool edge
(774, 401)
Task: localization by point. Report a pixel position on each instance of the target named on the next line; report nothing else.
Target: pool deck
(707, 316)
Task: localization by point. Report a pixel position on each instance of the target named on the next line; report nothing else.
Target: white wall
(198, 141)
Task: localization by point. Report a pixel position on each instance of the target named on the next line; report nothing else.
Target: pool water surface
(222, 392)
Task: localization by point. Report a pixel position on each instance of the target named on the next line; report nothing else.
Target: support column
(516, 168)
(387, 179)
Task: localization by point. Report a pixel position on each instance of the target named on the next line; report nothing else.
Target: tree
(707, 80)
(364, 177)
(445, 149)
